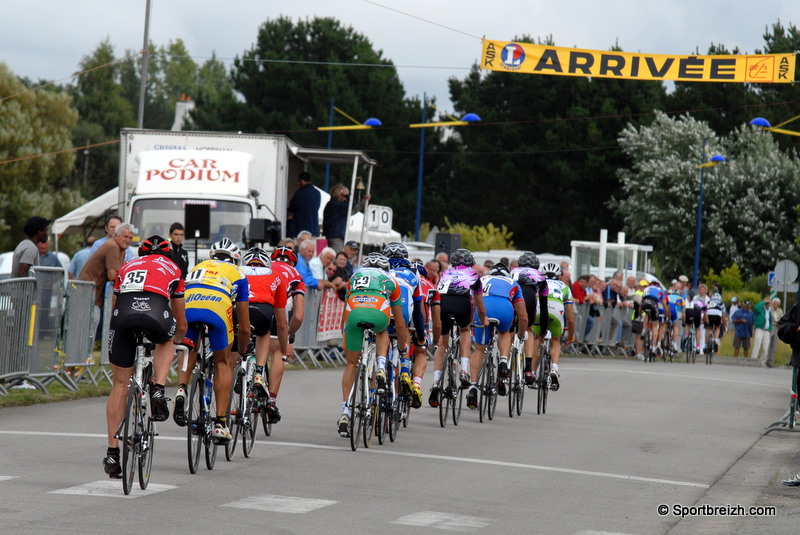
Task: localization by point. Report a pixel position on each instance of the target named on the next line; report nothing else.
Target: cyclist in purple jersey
(460, 289)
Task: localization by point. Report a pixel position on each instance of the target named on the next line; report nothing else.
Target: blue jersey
(676, 306)
(499, 286)
(409, 290)
(656, 293)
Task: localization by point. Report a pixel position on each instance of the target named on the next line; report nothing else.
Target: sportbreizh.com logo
(513, 55)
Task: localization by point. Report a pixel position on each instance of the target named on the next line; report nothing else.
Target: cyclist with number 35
(143, 291)
(373, 296)
(212, 288)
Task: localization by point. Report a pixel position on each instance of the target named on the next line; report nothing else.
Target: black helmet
(395, 250)
(500, 269)
(461, 257)
(155, 244)
(529, 259)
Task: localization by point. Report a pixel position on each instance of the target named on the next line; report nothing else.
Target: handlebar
(182, 349)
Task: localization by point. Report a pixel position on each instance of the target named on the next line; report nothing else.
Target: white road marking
(579, 368)
(591, 532)
(112, 488)
(447, 521)
(491, 462)
(279, 504)
(8, 478)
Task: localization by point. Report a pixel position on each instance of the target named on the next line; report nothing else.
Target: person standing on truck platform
(304, 207)
(179, 255)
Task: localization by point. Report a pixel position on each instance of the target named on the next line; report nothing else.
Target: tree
(748, 208)
(37, 123)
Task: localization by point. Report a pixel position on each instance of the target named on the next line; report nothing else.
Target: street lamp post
(714, 160)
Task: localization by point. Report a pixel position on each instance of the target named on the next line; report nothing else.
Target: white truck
(167, 175)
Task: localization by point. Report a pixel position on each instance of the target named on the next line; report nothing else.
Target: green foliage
(758, 284)
(729, 279)
(481, 237)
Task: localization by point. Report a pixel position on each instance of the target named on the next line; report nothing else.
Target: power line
(422, 19)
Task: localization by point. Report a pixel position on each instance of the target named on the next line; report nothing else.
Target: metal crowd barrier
(76, 325)
(17, 325)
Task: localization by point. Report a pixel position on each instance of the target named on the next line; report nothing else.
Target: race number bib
(134, 281)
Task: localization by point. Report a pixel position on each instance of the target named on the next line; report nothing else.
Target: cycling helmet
(155, 244)
(500, 269)
(461, 257)
(395, 250)
(716, 296)
(376, 260)
(284, 254)
(551, 270)
(529, 259)
(225, 250)
(420, 268)
(395, 262)
(257, 255)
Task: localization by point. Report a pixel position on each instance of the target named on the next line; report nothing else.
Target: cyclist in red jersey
(283, 261)
(143, 291)
(267, 303)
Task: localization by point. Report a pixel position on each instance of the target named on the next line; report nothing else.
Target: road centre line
(490, 462)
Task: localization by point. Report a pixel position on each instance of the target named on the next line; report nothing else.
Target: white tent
(91, 212)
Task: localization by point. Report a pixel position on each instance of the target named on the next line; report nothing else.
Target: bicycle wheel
(234, 413)
(195, 423)
(394, 419)
(250, 423)
(368, 429)
(543, 381)
(146, 451)
(356, 408)
(491, 384)
(458, 399)
(511, 391)
(210, 445)
(262, 408)
(380, 418)
(445, 398)
(129, 439)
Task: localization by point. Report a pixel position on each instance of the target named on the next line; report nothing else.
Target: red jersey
(152, 273)
(266, 286)
(294, 282)
(430, 296)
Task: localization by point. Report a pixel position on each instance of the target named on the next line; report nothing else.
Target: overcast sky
(430, 41)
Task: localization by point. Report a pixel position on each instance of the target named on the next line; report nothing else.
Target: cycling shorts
(460, 307)
(650, 306)
(262, 316)
(555, 325)
(220, 330)
(714, 320)
(364, 307)
(498, 308)
(694, 316)
(144, 311)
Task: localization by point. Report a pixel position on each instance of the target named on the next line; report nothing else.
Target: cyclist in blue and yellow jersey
(559, 308)
(502, 297)
(373, 296)
(212, 288)
(461, 294)
(676, 306)
(534, 291)
(656, 305)
(413, 307)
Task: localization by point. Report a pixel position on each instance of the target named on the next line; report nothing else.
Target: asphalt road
(619, 439)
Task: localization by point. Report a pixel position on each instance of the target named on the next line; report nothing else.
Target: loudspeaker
(446, 243)
(265, 230)
(197, 220)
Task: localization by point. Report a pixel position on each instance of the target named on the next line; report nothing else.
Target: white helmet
(225, 250)
(551, 270)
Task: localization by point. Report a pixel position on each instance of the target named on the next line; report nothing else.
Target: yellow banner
(559, 61)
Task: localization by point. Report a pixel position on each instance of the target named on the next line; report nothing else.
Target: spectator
(303, 235)
(762, 321)
(611, 297)
(334, 216)
(79, 259)
(742, 329)
(104, 264)
(111, 224)
(684, 289)
(433, 267)
(26, 253)
(777, 313)
(179, 255)
(319, 263)
(444, 261)
(351, 251)
(627, 293)
(337, 274)
(304, 207)
(734, 306)
(488, 264)
(306, 250)
(46, 258)
(565, 277)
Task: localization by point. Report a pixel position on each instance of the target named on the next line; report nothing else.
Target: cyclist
(676, 306)
(413, 311)
(267, 303)
(694, 314)
(371, 293)
(283, 260)
(534, 291)
(212, 288)
(460, 290)
(502, 297)
(143, 291)
(716, 317)
(559, 305)
(431, 302)
(655, 305)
